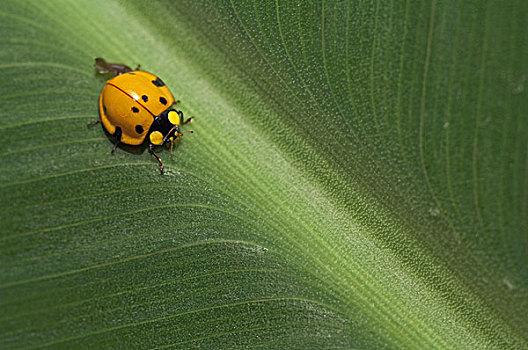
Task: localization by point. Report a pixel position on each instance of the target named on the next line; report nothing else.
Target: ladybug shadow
(138, 149)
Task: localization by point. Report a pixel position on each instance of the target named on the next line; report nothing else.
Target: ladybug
(135, 107)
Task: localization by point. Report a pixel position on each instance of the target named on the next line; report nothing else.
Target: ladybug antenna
(175, 127)
(179, 133)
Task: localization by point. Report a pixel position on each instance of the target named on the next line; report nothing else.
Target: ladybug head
(166, 127)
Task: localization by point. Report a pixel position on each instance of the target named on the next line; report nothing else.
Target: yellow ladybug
(135, 108)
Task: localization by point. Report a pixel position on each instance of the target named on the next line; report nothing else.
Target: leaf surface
(357, 177)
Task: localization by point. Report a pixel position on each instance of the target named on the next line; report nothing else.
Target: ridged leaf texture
(357, 177)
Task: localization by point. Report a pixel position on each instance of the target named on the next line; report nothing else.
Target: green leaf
(358, 177)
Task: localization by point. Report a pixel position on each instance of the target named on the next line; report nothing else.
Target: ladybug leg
(115, 146)
(151, 150)
(180, 113)
(94, 122)
(117, 135)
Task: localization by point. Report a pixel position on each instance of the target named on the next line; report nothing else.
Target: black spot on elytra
(144, 98)
(158, 82)
(135, 109)
(163, 100)
(139, 129)
(118, 133)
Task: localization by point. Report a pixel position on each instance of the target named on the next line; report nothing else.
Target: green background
(358, 177)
